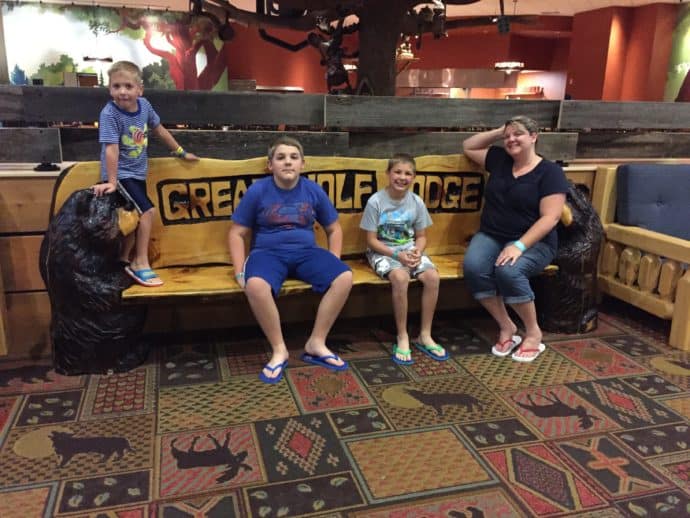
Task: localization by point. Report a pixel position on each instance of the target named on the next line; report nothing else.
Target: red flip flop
(526, 359)
(516, 340)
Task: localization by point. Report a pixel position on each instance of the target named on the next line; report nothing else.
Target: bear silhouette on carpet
(566, 301)
(91, 331)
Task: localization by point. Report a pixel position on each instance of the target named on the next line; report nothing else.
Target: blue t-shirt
(130, 130)
(282, 218)
(511, 205)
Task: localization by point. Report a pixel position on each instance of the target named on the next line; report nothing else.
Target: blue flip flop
(145, 276)
(323, 361)
(398, 360)
(273, 381)
(428, 350)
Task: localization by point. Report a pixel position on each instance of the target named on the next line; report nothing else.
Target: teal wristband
(520, 245)
(395, 254)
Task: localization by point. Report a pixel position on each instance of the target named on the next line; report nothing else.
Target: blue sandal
(429, 351)
(145, 277)
(397, 360)
(273, 381)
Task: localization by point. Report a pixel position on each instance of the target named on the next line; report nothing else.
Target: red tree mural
(187, 36)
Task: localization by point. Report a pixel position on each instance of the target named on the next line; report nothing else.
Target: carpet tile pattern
(598, 426)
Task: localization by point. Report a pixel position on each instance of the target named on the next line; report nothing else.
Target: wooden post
(680, 326)
(379, 32)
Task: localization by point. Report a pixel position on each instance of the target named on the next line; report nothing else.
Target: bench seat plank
(218, 280)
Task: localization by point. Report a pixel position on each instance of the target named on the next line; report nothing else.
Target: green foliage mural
(53, 74)
(157, 75)
(174, 50)
(679, 63)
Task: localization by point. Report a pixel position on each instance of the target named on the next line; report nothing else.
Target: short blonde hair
(126, 66)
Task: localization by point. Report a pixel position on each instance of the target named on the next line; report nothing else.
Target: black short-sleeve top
(511, 205)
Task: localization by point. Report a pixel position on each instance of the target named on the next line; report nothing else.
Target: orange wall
(588, 54)
(613, 54)
(460, 50)
(621, 54)
(649, 49)
(617, 50)
(253, 58)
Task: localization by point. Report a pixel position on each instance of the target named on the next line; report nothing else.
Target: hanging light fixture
(509, 66)
(404, 50)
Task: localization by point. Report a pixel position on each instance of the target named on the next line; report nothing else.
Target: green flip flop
(429, 351)
(397, 360)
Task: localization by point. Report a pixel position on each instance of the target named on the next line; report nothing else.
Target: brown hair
(285, 141)
(126, 66)
(401, 157)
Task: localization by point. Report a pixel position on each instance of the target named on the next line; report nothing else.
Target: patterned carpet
(597, 426)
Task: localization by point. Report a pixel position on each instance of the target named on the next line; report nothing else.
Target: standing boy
(278, 212)
(395, 220)
(123, 129)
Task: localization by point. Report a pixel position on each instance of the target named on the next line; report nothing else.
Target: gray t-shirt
(395, 221)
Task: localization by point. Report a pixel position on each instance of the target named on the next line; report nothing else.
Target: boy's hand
(409, 259)
(190, 156)
(103, 188)
(415, 257)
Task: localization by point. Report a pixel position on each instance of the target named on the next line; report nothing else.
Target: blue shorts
(316, 266)
(136, 189)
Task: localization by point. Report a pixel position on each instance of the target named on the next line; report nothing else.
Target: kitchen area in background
(474, 83)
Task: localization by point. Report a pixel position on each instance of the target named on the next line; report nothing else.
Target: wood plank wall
(24, 214)
(337, 125)
(53, 124)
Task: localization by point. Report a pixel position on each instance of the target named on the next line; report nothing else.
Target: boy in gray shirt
(395, 220)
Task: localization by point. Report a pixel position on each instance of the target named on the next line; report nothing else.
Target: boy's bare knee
(430, 278)
(149, 213)
(399, 279)
(257, 287)
(344, 278)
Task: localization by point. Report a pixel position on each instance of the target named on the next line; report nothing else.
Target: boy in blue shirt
(278, 212)
(123, 129)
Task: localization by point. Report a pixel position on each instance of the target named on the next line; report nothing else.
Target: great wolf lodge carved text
(208, 199)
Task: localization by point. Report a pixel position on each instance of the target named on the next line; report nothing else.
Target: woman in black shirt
(517, 239)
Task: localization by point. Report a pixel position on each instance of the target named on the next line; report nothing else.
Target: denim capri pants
(511, 282)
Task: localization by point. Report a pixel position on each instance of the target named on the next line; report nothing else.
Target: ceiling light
(509, 66)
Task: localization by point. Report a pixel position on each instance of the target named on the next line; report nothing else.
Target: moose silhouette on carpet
(557, 408)
(219, 455)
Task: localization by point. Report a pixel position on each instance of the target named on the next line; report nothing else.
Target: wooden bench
(188, 247)
(644, 268)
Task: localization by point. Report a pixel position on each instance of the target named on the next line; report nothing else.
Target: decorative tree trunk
(379, 32)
